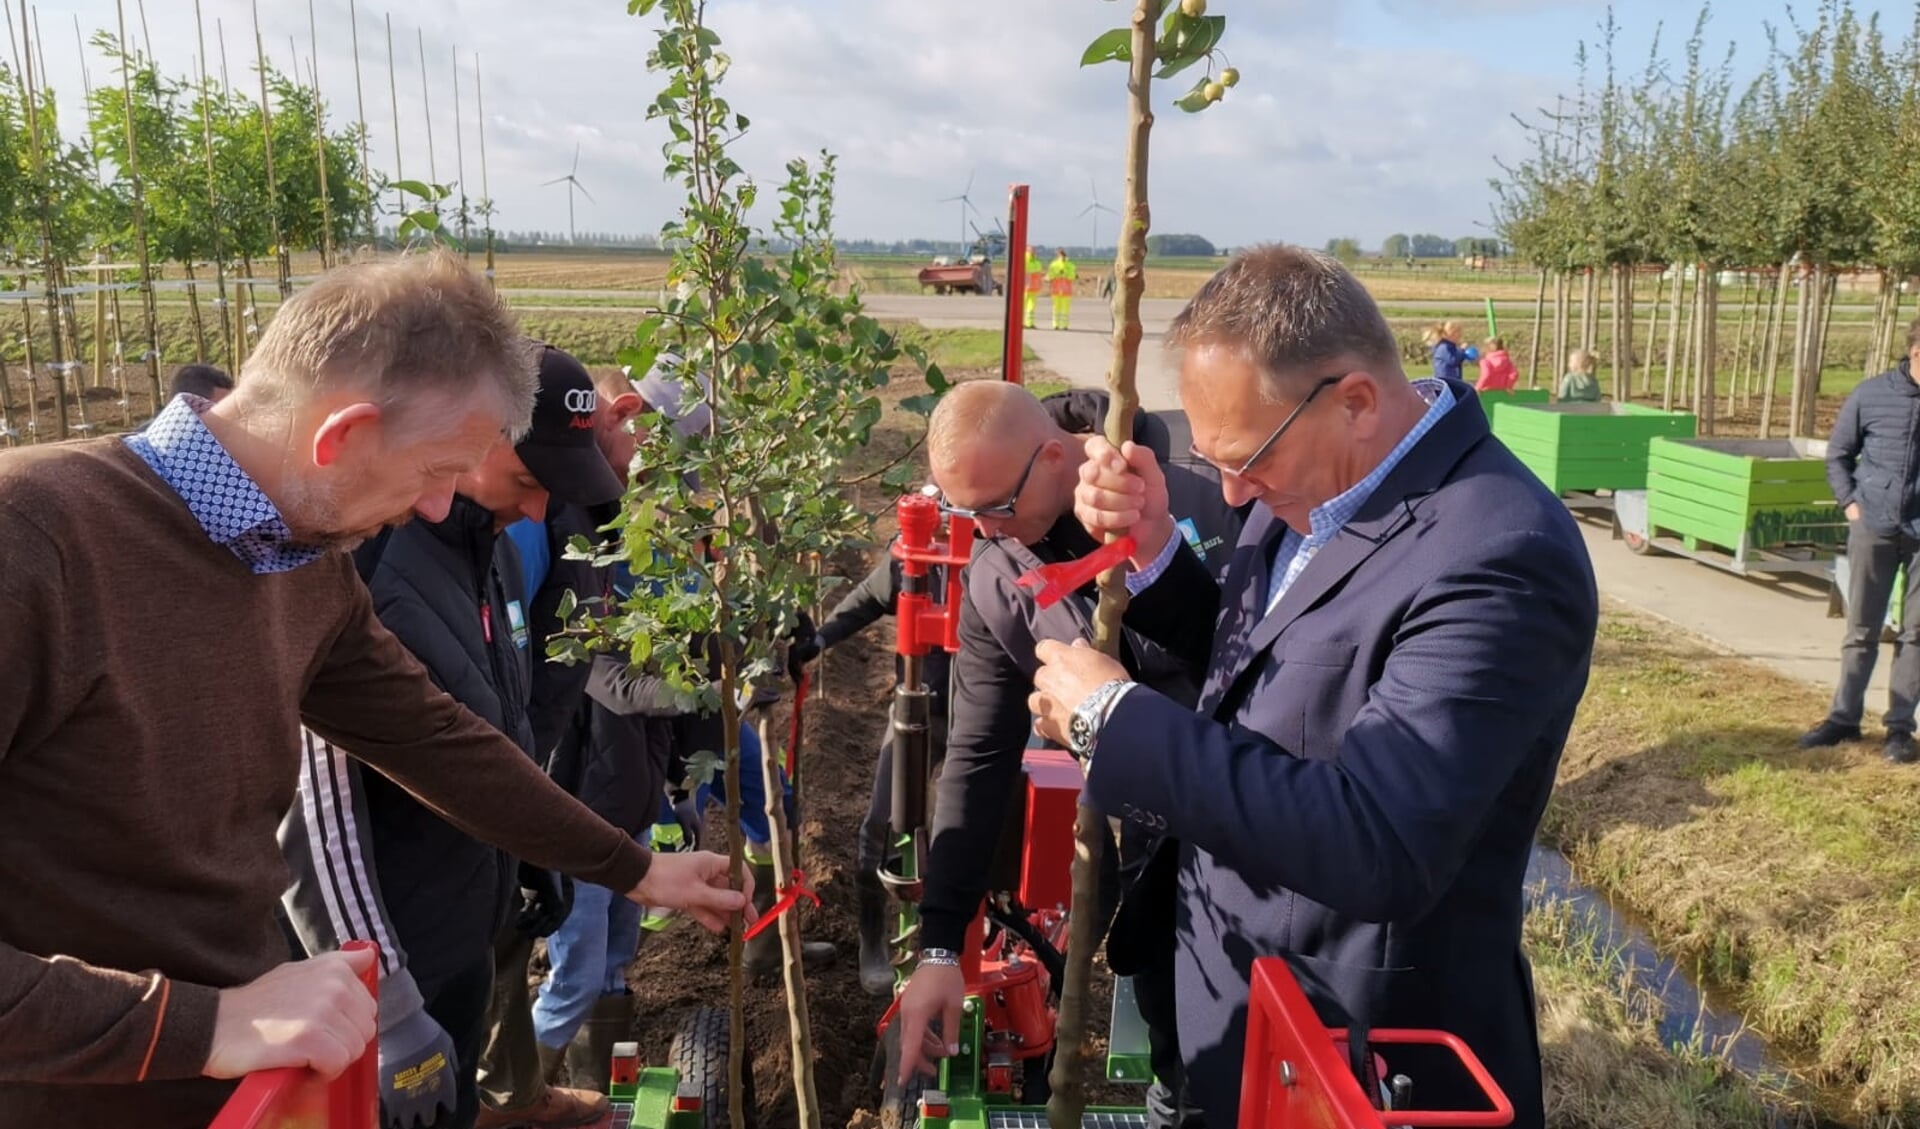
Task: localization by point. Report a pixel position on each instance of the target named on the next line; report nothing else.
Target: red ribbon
(790, 894)
(1057, 581)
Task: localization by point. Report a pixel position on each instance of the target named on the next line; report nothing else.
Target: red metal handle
(295, 1097)
(1296, 1071)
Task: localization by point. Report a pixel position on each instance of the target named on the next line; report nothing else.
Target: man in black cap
(369, 861)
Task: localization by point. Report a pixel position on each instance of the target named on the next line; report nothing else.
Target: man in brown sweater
(176, 609)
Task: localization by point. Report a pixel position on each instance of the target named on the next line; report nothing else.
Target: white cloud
(1321, 137)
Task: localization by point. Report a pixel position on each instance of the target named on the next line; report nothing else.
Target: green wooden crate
(1743, 494)
(1493, 402)
(1587, 446)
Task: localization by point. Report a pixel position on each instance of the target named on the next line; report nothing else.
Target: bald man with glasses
(1009, 463)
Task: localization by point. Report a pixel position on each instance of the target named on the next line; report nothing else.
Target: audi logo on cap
(581, 400)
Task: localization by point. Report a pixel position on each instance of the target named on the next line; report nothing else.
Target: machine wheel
(699, 1055)
(899, 1105)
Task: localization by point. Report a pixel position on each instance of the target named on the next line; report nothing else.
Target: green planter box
(1743, 494)
(1587, 446)
(1492, 402)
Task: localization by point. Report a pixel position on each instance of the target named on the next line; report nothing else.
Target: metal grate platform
(1037, 1119)
(622, 1116)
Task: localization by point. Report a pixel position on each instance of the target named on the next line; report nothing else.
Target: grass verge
(1603, 1060)
(1789, 877)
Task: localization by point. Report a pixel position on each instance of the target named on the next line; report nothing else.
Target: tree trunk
(1560, 295)
(1092, 837)
(1824, 295)
(799, 1028)
(1653, 335)
(1622, 332)
(1590, 309)
(737, 925)
(9, 420)
(1739, 346)
(1689, 382)
(1539, 310)
(1888, 349)
(1673, 332)
(199, 326)
(1802, 318)
(1770, 366)
(1709, 322)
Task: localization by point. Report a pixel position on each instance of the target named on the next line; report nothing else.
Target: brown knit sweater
(151, 693)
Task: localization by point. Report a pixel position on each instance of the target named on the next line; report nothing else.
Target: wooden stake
(51, 274)
(393, 92)
(213, 188)
(1539, 309)
(1673, 332)
(486, 196)
(459, 153)
(273, 187)
(152, 344)
(1777, 321)
(1653, 334)
(320, 139)
(1092, 835)
(792, 968)
(426, 107)
(360, 111)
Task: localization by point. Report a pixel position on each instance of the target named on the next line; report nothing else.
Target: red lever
(1058, 581)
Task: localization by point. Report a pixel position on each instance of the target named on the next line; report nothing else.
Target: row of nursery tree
(1673, 182)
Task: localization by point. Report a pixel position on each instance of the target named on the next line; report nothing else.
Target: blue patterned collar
(228, 504)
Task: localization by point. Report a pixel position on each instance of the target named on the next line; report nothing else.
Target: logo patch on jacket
(1192, 533)
(517, 623)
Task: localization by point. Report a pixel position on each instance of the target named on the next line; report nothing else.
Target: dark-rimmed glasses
(1260, 452)
(1000, 511)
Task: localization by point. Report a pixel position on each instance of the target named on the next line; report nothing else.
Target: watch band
(944, 958)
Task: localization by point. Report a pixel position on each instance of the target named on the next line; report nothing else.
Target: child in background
(1579, 385)
(1448, 354)
(1497, 372)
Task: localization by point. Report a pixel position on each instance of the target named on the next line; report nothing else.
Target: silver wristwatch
(1088, 716)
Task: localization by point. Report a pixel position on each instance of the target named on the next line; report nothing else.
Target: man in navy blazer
(1393, 659)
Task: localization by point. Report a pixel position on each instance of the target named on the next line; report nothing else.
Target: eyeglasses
(1261, 451)
(1000, 511)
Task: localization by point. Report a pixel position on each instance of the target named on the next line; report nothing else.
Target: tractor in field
(973, 275)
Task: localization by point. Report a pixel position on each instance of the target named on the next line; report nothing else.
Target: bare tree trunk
(1590, 309)
(1653, 334)
(1673, 332)
(1802, 320)
(193, 304)
(1824, 294)
(1882, 316)
(1709, 323)
(1770, 363)
(1092, 837)
(1740, 345)
(799, 1029)
(1560, 298)
(1539, 310)
(1689, 379)
(1888, 349)
(736, 925)
(1622, 332)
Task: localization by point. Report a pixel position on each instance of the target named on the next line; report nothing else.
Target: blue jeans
(589, 954)
(753, 791)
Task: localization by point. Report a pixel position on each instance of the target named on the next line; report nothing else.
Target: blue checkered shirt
(1327, 519)
(227, 503)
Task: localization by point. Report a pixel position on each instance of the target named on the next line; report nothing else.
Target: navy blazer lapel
(1243, 597)
(1388, 511)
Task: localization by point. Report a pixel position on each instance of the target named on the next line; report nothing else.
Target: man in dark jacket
(1873, 465)
(876, 596)
(368, 859)
(980, 432)
(1393, 662)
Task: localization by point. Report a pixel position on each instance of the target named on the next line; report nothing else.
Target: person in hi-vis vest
(1036, 278)
(1060, 276)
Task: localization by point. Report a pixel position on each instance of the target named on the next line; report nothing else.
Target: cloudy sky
(1353, 117)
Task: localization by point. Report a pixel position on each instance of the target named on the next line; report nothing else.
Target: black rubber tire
(699, 1055)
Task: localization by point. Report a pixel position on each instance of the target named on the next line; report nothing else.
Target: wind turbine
(965, 203)
(1096, 208)
(572, 182)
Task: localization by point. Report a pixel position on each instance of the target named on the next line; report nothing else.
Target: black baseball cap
(560, 448)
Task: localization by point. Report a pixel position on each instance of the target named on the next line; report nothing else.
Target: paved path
(1779, 622)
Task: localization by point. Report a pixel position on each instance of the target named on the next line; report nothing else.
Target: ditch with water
(1693, 1014)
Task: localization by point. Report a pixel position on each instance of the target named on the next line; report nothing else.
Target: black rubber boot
(876, 957)
(763, 951)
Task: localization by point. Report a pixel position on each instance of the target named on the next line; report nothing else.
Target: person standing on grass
(1873, 465)
(1392, 663)
(149, 747)
(1579, 385)
(1497, 371)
